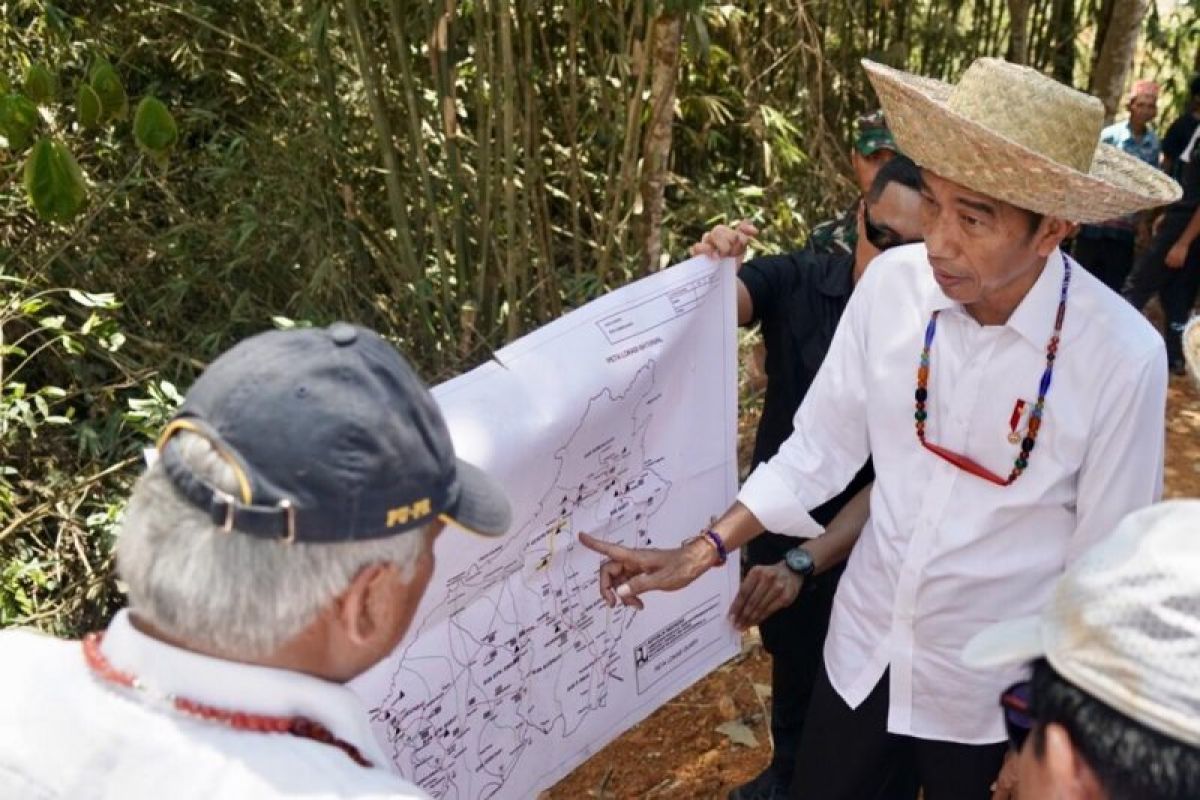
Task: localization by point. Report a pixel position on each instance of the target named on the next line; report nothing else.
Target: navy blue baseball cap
(333, 438)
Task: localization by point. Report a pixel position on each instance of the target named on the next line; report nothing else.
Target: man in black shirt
(797, 299)
(1171, 265)
(1180, 133)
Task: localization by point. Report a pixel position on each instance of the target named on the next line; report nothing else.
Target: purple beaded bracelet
(715, 539)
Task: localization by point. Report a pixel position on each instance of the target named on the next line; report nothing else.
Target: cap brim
(482, 506)
(1014, 641)
(874, 147)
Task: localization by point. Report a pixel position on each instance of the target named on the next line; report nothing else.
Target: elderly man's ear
(1061, 770)
(374, 600)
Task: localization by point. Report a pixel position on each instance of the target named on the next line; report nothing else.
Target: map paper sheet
(618, 419)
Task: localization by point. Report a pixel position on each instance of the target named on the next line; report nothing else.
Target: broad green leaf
(40, 85)
(100, 63)
(153, 126)
(54, 182)
(93, 299)
(107, 85)
(18, 120)
(88, 108)
(57, 392)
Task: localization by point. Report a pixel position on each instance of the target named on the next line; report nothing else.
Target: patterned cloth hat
(1124, 622)
(1149, 88)
(1012, 133)
(871, 134)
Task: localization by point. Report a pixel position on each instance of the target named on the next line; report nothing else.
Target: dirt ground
(678, 751)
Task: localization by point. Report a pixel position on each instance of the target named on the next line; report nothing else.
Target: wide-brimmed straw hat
(1191, 348)
(1014, 134)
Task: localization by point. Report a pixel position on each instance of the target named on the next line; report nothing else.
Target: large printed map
(619, 420)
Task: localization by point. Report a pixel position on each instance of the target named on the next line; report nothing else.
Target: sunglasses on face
(882, 238)
(1018, 720)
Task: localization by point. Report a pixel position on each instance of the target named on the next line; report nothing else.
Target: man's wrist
(702, 554)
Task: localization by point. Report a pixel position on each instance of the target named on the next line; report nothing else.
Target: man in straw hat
(1113, 708)
(1013, 407)
(278, 547)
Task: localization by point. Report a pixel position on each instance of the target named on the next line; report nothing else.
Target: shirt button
(342, 333)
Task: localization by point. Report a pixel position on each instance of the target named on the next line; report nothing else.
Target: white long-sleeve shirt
(64, 733)
(945, 553)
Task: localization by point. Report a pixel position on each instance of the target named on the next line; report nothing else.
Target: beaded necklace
(1035, 414)
(302, 727)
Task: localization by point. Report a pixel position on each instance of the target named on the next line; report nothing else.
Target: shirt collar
(166, 669)
(1033, 318)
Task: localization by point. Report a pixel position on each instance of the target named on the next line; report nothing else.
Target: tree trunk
(656, 152)
(1116, 53)
(1018, 40)
(1062, 54)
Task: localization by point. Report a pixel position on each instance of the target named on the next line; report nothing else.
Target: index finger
(616, 552)
(746, 227)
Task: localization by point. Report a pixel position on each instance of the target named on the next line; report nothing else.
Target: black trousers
(847, 754)
(1177, 288)
(795, 638)
(1109, 259)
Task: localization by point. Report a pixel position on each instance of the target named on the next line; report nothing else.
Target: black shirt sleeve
(770, 281)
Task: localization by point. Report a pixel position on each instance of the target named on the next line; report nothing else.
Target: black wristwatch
(800, 561)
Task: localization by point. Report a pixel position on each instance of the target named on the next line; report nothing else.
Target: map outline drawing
(514, 669)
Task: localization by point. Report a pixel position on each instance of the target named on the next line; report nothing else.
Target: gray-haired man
(278, 548)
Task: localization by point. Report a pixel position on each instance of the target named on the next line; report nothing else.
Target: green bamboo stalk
(369, 71)
(508, 111)
(417, 144)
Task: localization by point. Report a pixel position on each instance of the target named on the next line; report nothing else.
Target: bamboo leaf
(153, 126)
(53, 182)
(93, 299)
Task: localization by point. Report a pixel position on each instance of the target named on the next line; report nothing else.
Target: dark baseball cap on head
(333, 438)
(872, 134)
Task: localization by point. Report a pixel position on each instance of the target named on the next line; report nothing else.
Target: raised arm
(724, 241)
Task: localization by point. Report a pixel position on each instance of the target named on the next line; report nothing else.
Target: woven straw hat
(1191, 348)
(1012, 133)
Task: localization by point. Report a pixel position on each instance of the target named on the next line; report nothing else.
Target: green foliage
(18, 120)
(154, 127)
(106, 83)
(40, 85)
(54, 182)
(88, 109)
